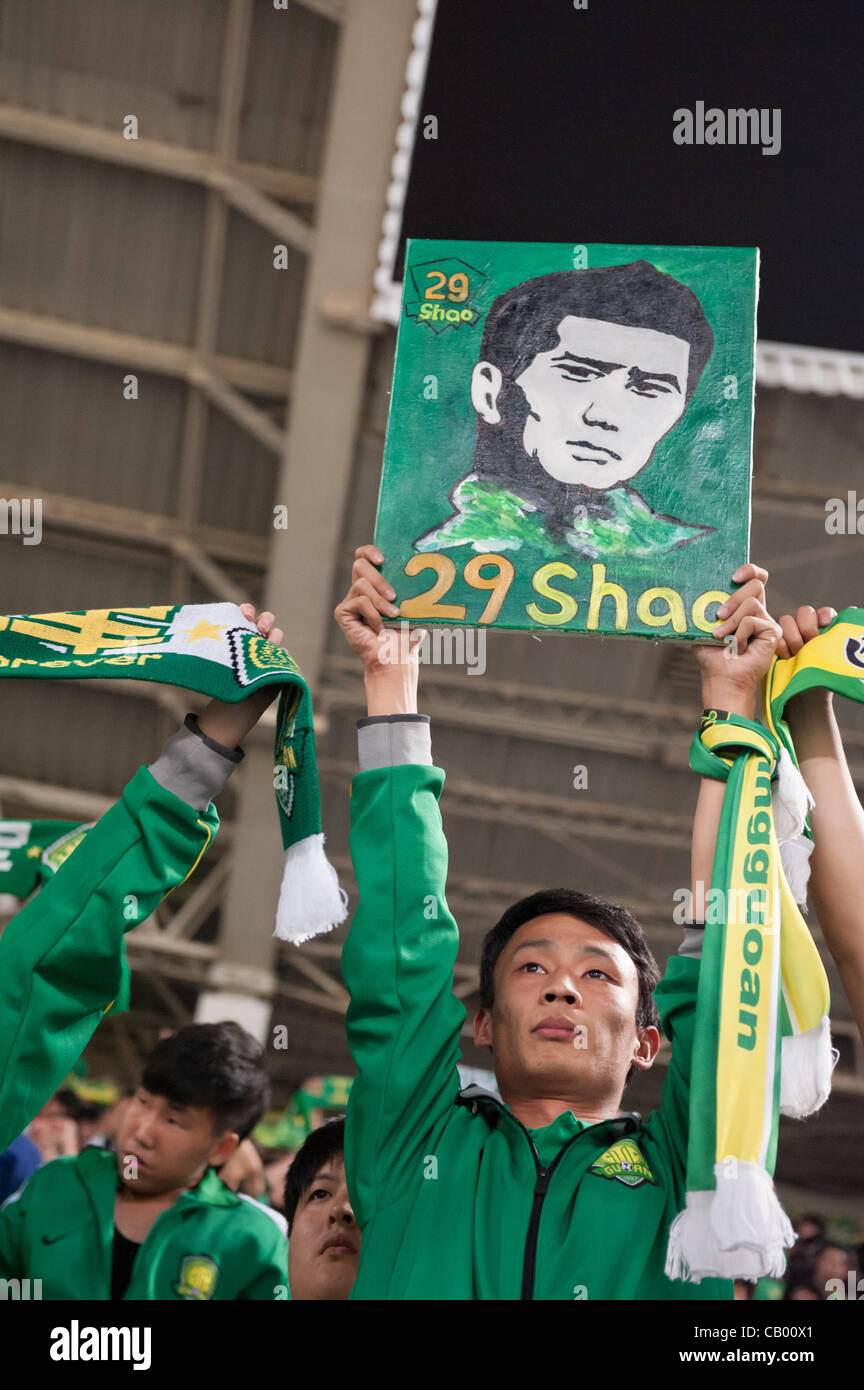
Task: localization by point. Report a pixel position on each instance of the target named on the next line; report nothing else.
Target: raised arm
(404, 1022)
(62, 956)
(730, 681)
(837, 819)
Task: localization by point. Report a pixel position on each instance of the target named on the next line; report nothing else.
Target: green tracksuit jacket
(211, 1244)
(454, 1197)
(62, 957)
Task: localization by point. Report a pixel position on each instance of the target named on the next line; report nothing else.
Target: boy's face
(600, 402)
(162, 1146)
(324, 1247)
(563, 1023)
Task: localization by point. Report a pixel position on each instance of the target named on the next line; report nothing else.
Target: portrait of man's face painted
(570, 429)
(580, 375)
(596, 404)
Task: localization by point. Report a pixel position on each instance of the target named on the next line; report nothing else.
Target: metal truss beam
(212, 170)
(473, 897)
(268, 214)
(658, 732)
(563, 819)
(220, 584)
(128, 525)
(654, 732)
(46, 801)
(254, 421)
(205, 896)
(133, 352)
(191, 365)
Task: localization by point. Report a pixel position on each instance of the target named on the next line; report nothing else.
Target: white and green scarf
(212, 649)
(762, 1043)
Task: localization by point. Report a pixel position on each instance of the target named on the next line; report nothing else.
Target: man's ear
(483, 1028)
(223, 1149)
(647, 1046)
(486, 381)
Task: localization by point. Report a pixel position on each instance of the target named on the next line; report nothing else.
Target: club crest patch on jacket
(199, 1276)
(625, 1162)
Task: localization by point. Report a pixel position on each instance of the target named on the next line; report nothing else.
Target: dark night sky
(555, 124)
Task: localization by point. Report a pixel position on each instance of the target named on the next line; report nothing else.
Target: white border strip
(387, 297)
(820, 370)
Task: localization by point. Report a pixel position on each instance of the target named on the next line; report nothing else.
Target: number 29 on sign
(428, 604)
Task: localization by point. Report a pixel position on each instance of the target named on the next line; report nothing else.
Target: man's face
(599, 402)
(563, 1023)
(162, 1146)
(325, 1243)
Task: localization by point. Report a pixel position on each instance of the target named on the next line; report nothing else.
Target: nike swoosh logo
(52, 1240)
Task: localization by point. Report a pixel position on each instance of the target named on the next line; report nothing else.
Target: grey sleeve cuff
(191, 767)
(694, 935)
(389, 740)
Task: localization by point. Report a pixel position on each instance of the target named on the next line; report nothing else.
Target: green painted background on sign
(548, 487)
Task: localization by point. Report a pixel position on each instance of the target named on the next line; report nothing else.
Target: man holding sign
(588, 412)
(552, 1192)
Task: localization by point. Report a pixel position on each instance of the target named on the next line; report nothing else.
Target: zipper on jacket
(540, 1189)
(530, 1259)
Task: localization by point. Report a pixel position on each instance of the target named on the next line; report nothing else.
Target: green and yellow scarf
(762, 1044)
(210, 648)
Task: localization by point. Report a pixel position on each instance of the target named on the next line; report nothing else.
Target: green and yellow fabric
(290, 1128)
(733, 1225)
(213, 649)
(763, 1044)
(31, 852)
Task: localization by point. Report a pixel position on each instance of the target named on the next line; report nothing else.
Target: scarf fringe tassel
(310, 900)
(806, 1063)
(738, 1231)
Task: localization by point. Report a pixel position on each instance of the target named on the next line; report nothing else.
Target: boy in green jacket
(61, 957)
(552, 1192)
(153, 1220)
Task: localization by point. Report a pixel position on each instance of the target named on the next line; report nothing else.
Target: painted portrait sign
(570, 435)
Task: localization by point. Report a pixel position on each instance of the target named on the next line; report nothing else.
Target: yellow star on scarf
(203, 629)
(34, 851)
